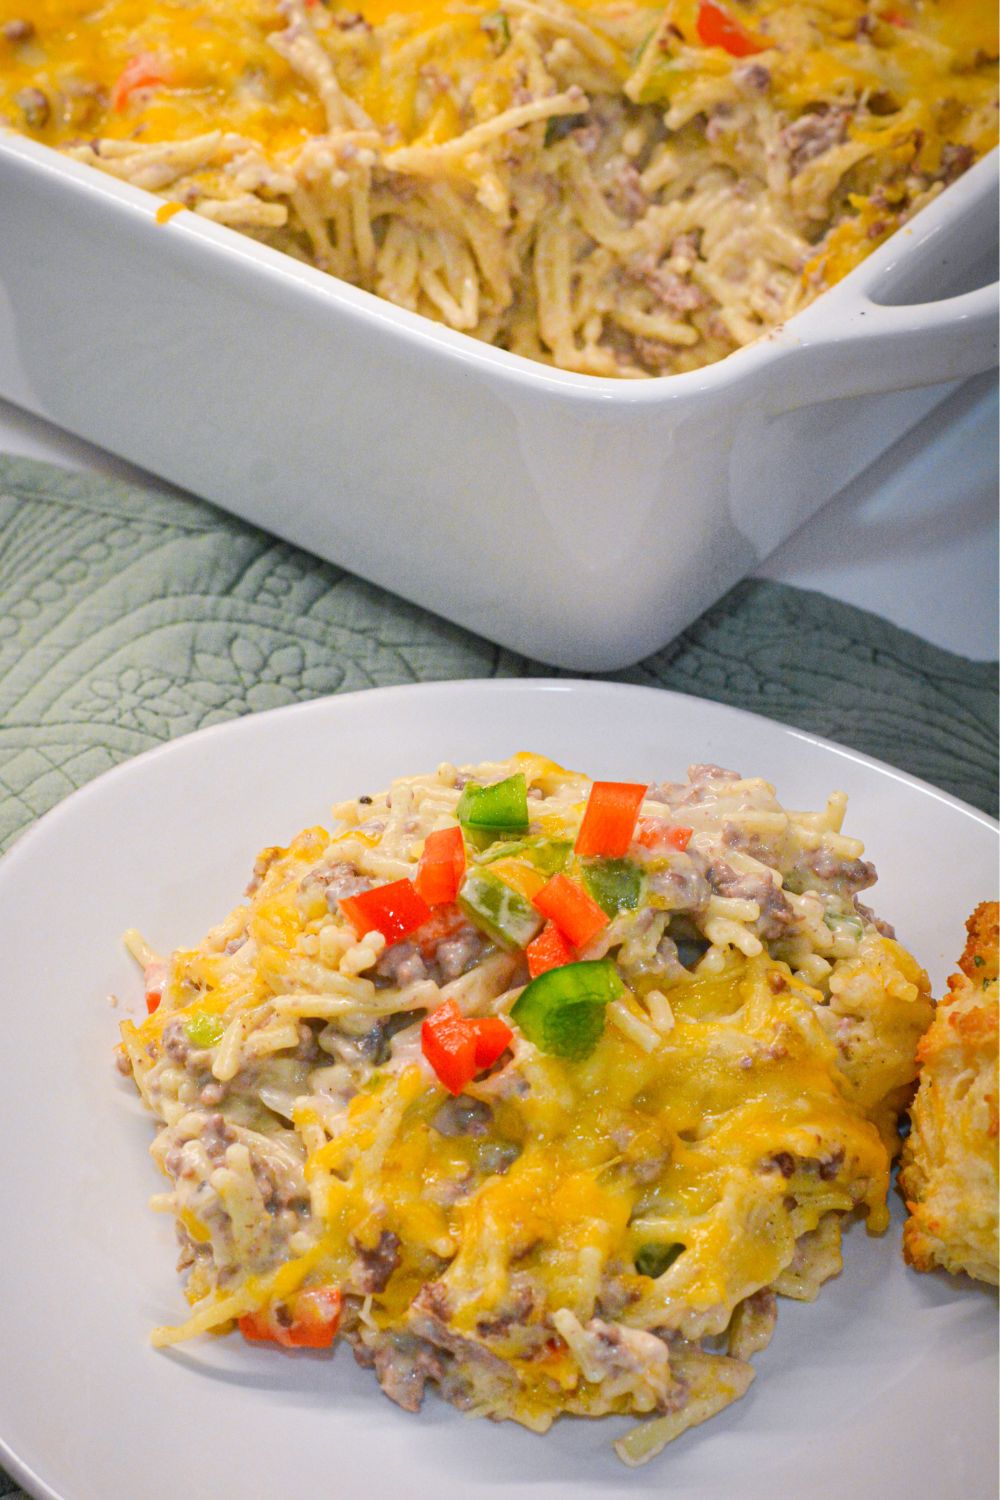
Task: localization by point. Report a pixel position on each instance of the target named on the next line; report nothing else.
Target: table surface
(913, 538)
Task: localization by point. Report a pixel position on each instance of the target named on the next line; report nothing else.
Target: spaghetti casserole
(611, 186)
(539, 1091)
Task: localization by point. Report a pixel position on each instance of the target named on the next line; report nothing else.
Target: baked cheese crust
(949, 1173)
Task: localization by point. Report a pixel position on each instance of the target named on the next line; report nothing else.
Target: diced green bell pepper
(653, 1258)
(562, 1011)
(615, 884)
(500, 911)
(662, 80)
(498, 26)
(204, 1030)
(636, 56)
(849, 921)
(548, 855)
(557, 127)
(492, 812)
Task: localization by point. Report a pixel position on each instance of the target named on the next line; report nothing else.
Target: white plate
(886, 1387)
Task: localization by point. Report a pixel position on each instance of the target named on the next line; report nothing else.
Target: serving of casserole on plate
(489, 1202)
(536, 1089)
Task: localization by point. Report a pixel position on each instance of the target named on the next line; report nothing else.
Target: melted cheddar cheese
(744, 1078)
(220, 69)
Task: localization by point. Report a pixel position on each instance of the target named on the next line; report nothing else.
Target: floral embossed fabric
(128, 617)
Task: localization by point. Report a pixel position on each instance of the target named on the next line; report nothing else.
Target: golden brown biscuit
(949, 1171)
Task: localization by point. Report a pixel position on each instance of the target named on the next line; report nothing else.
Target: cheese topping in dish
(536, 1089)
(612, 186)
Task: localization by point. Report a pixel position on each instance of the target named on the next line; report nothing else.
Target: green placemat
(128, 617)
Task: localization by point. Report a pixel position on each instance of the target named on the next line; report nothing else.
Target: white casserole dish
(580, 520)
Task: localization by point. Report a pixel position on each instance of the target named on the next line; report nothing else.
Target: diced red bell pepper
(257, 1328)
(458, 1047)
(395, 910)
(310, 1320)
(717, 28)
(441, 867)
(549, 950)
(143, 71)
(154, 978)
(444, 922)
(493, 1037)
(651, 833)
(449, 1044)
(577, 915)
(609, 818)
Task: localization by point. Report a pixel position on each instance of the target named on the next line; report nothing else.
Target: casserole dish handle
(865, 349)
(873, 332)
